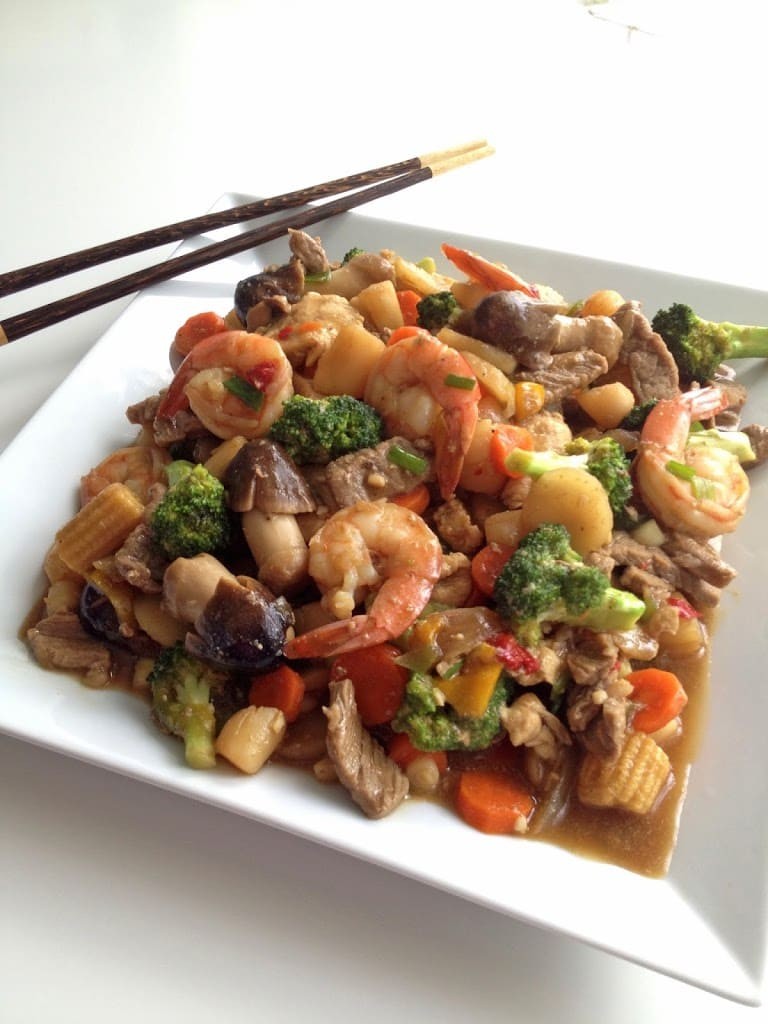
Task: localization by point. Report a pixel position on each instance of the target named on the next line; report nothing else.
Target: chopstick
(429, 166)
(38, 273)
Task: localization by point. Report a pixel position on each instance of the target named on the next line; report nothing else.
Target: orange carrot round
(417, 500)
(493, 802)
(505, 437)
(399, 333)
(661, 696)
(281, 688)
(487, 564)
(408, 300)
(199, 326)
(403, 752)
(378, 680)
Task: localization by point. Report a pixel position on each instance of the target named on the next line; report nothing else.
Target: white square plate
(704, 923)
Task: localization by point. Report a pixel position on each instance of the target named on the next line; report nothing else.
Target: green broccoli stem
(536, 464)
(198, 742)
(618, 611)
(744, 341)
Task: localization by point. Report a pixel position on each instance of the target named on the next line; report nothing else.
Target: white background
(629, 131)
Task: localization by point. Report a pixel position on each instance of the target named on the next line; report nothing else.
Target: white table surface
(120, 902)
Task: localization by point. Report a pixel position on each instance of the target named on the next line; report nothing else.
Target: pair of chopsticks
(372, 184)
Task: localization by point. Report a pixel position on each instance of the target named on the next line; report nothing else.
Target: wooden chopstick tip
(461, 159)
(427, 159)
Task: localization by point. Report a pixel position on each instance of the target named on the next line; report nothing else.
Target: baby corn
(99, 528)
(632, 782)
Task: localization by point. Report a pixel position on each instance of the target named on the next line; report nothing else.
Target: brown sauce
(640, 843)
(643, 843)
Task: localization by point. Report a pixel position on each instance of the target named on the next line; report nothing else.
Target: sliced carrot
(378, 680)
(493, 802)
(281, 688)
(399, 333)
(408, 301)
(417, 500)
(661, 695)
(403, 752)
(487, 564)
(199, 326)
(505, 438)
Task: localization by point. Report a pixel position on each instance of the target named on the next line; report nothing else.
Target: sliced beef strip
(166, 430)
(598, 708)
(700, 559)
(372, 778)
(653, 371)
(593, 658)
(657, 562)
(566, 373)
(605, 734)
(60, 641)
(651, 588)
(141, 562)
(366, 475)
(758, 438)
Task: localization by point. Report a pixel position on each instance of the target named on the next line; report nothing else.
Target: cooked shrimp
(235, 383)
(423, 388)
(493, 276)
(700, 489)
(369, 547)
(139, 467)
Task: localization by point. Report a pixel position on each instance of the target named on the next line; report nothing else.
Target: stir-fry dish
(423, 534)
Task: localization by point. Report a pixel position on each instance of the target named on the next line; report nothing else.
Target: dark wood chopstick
(22, 324)
(48, 270)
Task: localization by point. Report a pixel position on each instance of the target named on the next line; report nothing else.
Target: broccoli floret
(545, 580)
(436, 310)
(605, 459)
(698, 346)
(318, 430)
(355, 251)
(183, 690)
(192, 517)
(432, 727)
(637, 415)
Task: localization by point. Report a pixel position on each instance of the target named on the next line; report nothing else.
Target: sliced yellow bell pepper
(470, 691)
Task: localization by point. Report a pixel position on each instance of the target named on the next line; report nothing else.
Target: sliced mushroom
(243, 626)
(263, 476)
(273, 287)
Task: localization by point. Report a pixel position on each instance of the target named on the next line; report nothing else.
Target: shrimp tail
(485, 273)
(705, 402)
(175, 399)
(452, 442)
(337, 638)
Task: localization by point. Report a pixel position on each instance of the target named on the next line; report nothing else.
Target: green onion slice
(245, 391)
(701, 487)
(454, 380)
(407, 460)
(681, 470)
